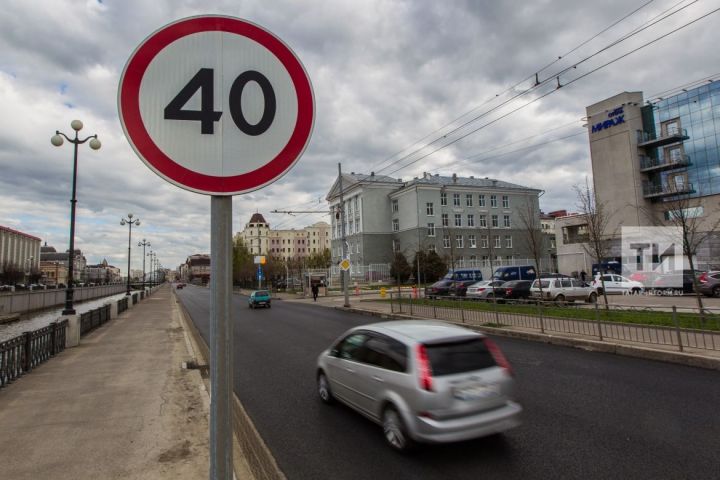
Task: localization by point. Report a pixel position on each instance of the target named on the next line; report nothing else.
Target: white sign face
(216, 105)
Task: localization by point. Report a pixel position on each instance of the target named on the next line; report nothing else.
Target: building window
(471, 220)
(671, 127)
(430, 229)
(496, 239)
(495, 221)
(458, 220)
(506, 201)
(493, 201)
(456, 199)
(396, 246)
(481, 200)
(552, 242)
(471, 241)
(443, 199)
(483, 221)
(431, 248)
(508, 241)
(459, 241)
(483, 241)
(468, 200)
(445, 222)
(446, 241)
(430, 209)
(396, 225)
(473, 261)
(485, 261)
(506, 221)
(394, 206)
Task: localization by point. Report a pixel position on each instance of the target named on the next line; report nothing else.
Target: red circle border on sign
(157, 160)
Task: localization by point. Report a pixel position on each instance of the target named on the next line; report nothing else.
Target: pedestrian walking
(583, 275)
(315, 291)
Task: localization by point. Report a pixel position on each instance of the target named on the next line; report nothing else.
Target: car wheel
(716, 291)
(323, 388)
(600, 291)
(560, 300)
(592, 298)
(395, 432)
(268, 305)
(251, 306)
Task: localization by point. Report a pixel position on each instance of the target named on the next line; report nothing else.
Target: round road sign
(216, 105)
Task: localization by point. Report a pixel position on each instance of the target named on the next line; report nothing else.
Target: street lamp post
(57, 140)
(144, 244)
(130, 222)
(152, 274)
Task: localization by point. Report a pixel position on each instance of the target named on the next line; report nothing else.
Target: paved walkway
(117, 406)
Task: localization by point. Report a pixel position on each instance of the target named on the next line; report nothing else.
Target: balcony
(652, 140)
(649, 164)
(652, 191)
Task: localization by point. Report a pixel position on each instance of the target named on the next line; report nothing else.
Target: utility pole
(345, 276)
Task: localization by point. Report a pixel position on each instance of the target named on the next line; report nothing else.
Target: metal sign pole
(345, 274)
(221, 336)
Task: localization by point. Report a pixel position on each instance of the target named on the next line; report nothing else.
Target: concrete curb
(589, 345)
(251, 447)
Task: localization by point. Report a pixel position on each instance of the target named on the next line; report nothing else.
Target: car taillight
(480, 289)
(498, 356)
(424, 370)
(703, 278)
(508, 291)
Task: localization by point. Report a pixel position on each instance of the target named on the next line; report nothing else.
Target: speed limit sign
(216, 105)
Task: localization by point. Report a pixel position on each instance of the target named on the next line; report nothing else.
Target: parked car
(612, 266)
(179, 286)
(439, 288)
(422, 381)
(711, 284)
(617, 284)
(646, 278)
(462, 278)
(6, 288)
(515, 290)
(523, 272)
(562, 290)
(259, 298)
(484, 290)
(677, 280)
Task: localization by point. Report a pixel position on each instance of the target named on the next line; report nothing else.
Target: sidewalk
(117, 406)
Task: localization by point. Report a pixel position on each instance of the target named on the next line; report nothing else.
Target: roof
(47, 249)
(352, 179)
(18, 232)
(455, 181)
(257, 218)
(420, 330)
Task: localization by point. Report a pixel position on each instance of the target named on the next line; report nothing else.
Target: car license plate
(476, 392)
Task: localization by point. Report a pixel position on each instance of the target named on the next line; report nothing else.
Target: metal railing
(92, 319)
(19, 355)
(122, 305)
(496, 315)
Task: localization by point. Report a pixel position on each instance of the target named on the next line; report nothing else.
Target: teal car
(259, 298)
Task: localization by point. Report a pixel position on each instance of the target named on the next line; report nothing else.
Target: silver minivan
(423, 381)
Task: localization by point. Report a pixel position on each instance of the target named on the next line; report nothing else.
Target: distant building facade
(469, 221)
(103, 273)
(196, 269)
(19, 250)
(286, 244)
(49, 254)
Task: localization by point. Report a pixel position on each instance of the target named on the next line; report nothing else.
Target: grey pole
(221, 336)
(345, 273)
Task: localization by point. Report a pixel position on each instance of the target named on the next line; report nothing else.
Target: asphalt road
(587, 415)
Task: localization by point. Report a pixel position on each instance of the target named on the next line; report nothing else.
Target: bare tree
(597, 217)
(684, 214)
(532, 234)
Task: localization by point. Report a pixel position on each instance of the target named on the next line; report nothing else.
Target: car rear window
(541, 283)
(459, 357)
(261, 293)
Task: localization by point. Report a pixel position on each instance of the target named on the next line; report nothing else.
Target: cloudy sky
(389, 78)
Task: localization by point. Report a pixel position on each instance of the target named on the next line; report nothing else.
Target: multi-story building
(648, 157)
(286, 244)
(196, 269)
(103, 273)
(54, 272)
(19, 250)
(49, 254)
(470, 221)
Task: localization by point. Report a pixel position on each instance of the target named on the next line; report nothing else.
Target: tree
(243, 268)
(532, 233)
(432, 266)
(684, 214)
(597, 217)
(11, 273)
(400, 268)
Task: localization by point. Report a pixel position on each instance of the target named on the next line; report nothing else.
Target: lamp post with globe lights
(95, 144)
(151, 255)
(144, 244)
(130, 222)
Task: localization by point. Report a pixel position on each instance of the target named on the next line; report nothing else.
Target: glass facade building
(681, 139)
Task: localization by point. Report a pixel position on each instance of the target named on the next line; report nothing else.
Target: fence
(28, 301)
(492, 314)
(122, 305)
(92, 319)
(19, 355)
